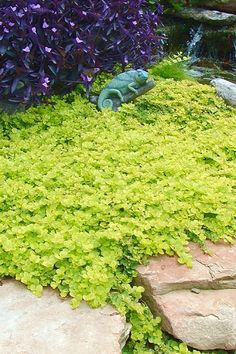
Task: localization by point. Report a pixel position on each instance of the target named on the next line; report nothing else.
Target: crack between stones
(204, 316)
(209, 269)
(211, 273)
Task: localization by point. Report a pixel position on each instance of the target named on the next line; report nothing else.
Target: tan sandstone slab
(197, 305)
(218, 271)
(204, 321)
(48, 325)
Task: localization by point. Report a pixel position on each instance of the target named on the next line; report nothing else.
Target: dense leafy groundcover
(85, 196)
(49, 44)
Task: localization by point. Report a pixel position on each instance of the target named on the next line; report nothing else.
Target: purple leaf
(69, 41)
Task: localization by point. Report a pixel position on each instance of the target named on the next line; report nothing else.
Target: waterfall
(234, 49)
(194, 43)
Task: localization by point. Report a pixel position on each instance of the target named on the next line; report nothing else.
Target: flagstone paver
(48, 325)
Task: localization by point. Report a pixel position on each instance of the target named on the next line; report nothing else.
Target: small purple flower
(48, 50)
(20, 14)
(34, 30)
(9, 65)
(26, 49)
(45, 25)
(45, 83)
(78, 40)
(86, 78)
(35, 7)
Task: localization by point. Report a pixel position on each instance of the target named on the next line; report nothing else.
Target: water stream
(211, 49)
(194, 43)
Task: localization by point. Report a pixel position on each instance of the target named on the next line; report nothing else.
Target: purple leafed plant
(45, 44)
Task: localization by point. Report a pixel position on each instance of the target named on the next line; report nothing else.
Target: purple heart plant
(50, 43)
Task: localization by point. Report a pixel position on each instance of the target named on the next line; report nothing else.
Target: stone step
(204, 320)
(197, 305)
(211, 17)
(221, 5)
(48, 325)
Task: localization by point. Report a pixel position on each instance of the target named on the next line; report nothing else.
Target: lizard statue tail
(104, 101)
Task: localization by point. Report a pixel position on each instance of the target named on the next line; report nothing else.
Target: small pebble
(195, 291)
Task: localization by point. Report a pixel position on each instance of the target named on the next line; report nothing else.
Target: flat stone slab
(48, 325)
(197, 305)
(164, 274)
(222, 5)
(212, 17)
(205, 321)
(226, 90)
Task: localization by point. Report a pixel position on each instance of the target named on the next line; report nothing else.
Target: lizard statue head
(141, 76)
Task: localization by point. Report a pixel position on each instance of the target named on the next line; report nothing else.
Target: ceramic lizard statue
(121, 85)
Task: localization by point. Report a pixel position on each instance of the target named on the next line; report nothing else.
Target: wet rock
(211, 17)
(49, 325)
(197, 305)
(200, 41)
(222, 5)
(205, 74)
(226, 90)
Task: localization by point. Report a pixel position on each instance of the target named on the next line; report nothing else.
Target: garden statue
(124, 88)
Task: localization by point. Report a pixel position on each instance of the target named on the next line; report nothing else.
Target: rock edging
(197, 305)
(49, 325)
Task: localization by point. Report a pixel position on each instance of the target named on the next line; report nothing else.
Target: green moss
(85, 196)
(171, 68)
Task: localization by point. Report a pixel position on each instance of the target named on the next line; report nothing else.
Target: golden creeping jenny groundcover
(85, 196)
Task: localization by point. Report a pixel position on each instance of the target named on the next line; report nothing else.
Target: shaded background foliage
(52, 44)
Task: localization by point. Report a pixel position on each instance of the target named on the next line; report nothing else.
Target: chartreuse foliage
(173, 67)
(85, 195)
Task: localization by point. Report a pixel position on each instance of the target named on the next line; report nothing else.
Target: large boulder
(205, 321)
(197, 305)
(211, 17)
(226, 90)
(222, 5)
(48, 325)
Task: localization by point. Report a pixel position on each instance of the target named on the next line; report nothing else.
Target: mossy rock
(221, 5)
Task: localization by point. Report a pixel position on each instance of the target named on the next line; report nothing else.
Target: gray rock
(222, 5)
(197, 305)
(195, 73)
(48, 325)
(207, 16)
(226, 90)
(206, 74)
(195, 291)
